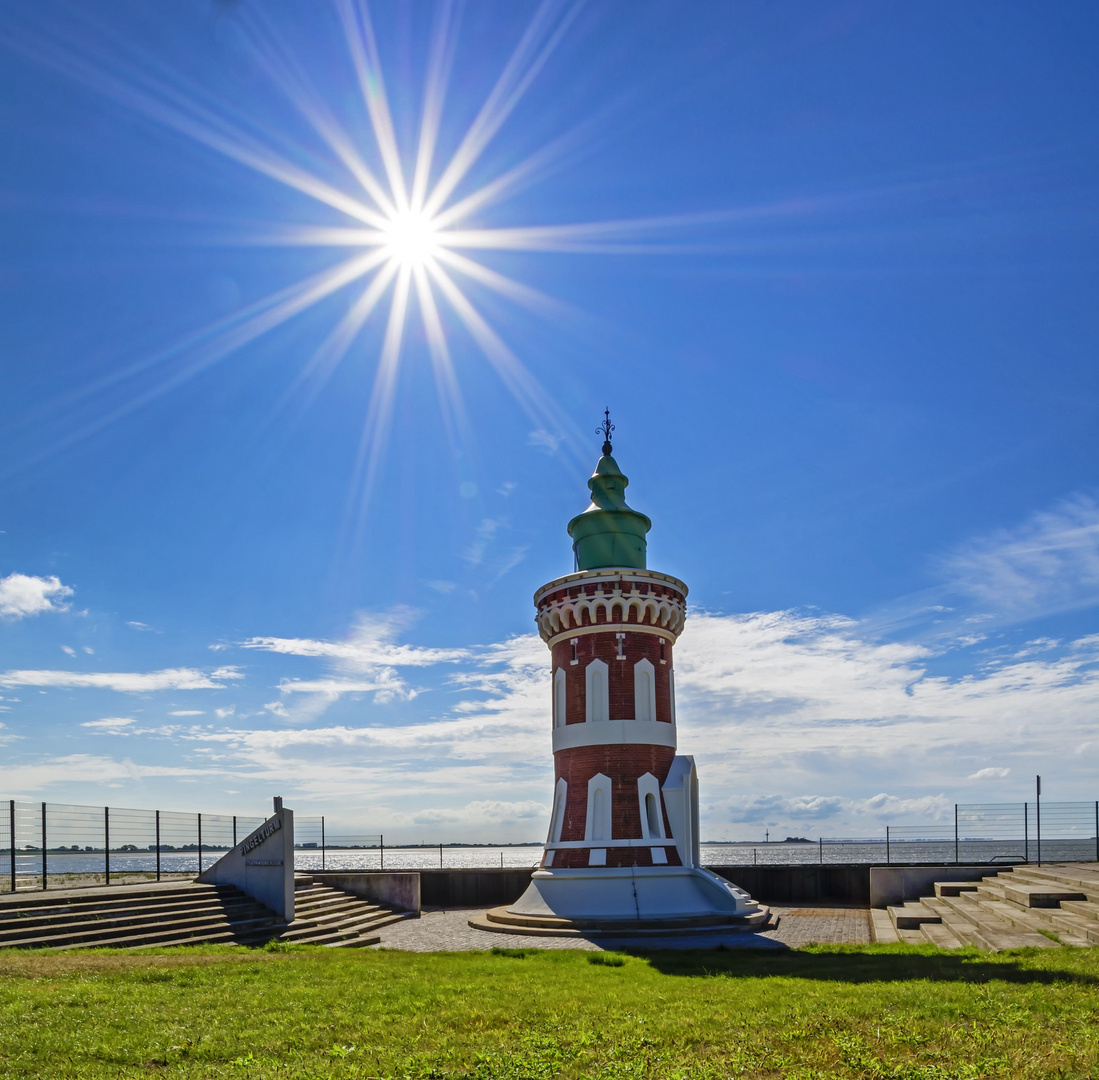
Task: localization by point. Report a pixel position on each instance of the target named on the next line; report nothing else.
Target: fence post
(322, 842)
(440, 856)
(1026, 831)
(158, 845)
(200, 843)
(956, 860)
(11, 822)
(1038, 815)
(887, 859)
(820, 847)
(106, 845)
(234, 830)
(44, 847)
(381, 844)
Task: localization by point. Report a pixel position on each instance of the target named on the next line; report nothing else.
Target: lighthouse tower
(622, 850)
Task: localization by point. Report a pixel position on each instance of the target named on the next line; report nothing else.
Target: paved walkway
(449, 931)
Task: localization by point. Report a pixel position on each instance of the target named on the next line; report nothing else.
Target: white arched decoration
(559, 700)
(652, 815)
(597, 691)
(557, 818)
(644, 691)
(598, 824)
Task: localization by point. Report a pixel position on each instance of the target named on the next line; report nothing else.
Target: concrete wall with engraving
(262, 865)
(399, 890)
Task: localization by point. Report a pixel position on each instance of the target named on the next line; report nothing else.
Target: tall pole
(887, 845)
(381, 844)
(158, 845)
(1026, 831)
(956, 860)
(106, 845)
(43, 846)
(322, 841)
(1038, 815)
(11, 823)
(200, 843)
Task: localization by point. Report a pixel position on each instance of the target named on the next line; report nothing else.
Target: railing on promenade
(54, 845)
(59, 845)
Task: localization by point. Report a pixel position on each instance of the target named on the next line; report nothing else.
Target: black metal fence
(56, 845)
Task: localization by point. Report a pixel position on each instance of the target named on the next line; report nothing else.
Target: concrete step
(941, 935)
(108, 933)
(1080, 879)
(882, 929)
(21, 925)
(954, 888)
(1040, 896)
(1087, 908)
(970, 920)
(911, 916)
(1036, 920)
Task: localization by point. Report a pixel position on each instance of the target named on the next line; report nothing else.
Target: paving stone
(449, 931)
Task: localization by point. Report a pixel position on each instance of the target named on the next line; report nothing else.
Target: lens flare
(411, 239)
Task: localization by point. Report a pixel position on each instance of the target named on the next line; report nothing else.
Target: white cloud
(22, 595)
(990, 773)
(370, 645)
(88, 649)
(484, 535)
(544, 440)
(69, 650)
(188, 712)
(129, 682)
(506, 488)
(134, 624)
(64, 771)
(110, 723)
(1047, 564)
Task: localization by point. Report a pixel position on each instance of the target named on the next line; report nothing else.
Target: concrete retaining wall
(861, 883)
(801, 884)
(473, 888)
(891, 885)
(398, 890)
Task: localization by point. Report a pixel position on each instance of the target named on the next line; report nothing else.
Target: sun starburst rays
(404, 217)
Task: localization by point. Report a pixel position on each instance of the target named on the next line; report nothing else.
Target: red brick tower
(623, 836)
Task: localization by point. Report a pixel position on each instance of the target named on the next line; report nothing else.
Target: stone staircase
(155, 916)
(1045, 906)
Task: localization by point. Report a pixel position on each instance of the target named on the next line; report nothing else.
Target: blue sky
(832, 267)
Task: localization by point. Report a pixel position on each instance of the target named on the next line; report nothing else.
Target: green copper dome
(609, 533)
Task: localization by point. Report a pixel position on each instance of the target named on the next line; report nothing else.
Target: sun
(411, 239)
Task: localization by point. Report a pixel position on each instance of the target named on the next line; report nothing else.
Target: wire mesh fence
(58, 845)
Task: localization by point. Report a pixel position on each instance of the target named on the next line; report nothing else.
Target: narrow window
(598, 825)
(560, 714)
(652, 817)
(557, 818)
(597, 701)
(644, 691)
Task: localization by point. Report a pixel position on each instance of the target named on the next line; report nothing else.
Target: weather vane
(605, 430)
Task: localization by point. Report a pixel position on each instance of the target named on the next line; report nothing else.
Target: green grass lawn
(867, 1012)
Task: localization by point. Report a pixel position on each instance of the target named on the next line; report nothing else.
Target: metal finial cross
(605, 430)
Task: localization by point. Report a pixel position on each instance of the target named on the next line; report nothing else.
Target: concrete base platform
(500, 920)
(599, 897)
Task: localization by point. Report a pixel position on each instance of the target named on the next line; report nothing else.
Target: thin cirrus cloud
(127, 682)
(109, 723)
(1045, 565)
(23, 595)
